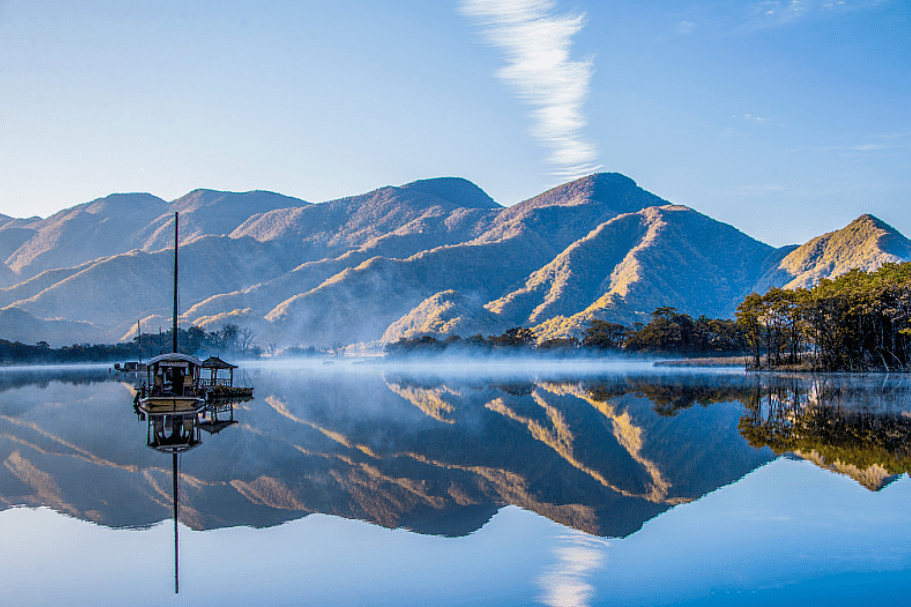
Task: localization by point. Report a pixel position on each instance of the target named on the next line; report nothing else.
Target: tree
(749, 315)
(194, 339)
(517, 337)
(245, 338)
(667, 331)
(227, 337)
(559, 344)
(604, 335)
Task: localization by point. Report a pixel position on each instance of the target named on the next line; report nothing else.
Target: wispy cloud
(771, 13)
(536, 41)
(685, 28)
(750, 118)
(883, 142)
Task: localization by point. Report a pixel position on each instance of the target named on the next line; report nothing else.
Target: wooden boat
(173, 385)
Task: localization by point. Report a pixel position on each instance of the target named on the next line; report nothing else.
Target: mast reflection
(176, 431)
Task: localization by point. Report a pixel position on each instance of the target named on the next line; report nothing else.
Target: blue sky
(786, 119)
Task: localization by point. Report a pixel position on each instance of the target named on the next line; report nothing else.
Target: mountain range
(435, 256)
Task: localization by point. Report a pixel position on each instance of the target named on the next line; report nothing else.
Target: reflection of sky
(785, 534)
(566, 583)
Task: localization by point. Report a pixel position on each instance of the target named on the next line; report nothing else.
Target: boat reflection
(175, 430)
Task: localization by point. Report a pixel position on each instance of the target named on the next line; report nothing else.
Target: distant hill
(19, 325)
(436, 256)
(865, 244)
(101, 228)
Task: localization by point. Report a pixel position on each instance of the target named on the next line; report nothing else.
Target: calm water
(490, 485)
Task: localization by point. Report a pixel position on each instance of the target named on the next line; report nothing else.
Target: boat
(173, 385)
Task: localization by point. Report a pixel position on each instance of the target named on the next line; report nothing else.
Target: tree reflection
(673, 395)
(839, 426)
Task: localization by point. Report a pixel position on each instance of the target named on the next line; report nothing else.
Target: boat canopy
(213, 362)
(174, 357)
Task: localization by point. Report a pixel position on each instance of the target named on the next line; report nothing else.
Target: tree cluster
(513, 339)
(668, 332)
(230, 340)
(671, 332)
(859, 321)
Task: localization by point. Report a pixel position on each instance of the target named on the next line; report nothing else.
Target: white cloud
(883, 142)
(870, 147)
(536, 42)
(685, 28)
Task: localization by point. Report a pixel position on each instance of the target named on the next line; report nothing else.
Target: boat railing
(167, 390)
(218, 381)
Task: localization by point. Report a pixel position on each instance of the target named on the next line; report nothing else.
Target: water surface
(485, 485)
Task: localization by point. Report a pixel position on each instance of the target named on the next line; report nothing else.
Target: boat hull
(171, 405)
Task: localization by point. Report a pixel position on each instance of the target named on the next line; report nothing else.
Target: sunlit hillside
(436, 257)
(866, 244)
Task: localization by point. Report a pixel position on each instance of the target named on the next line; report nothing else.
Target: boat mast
(176, 477)
(174, 316)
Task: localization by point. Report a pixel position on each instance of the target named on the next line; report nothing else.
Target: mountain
(139, 282)
(611, 272)
(865, 244)
(436, 256)
(562, 215)
(120, 223)
(19, 325)
(212, 213)
(434, 211)
(359, 304)
(101, 228)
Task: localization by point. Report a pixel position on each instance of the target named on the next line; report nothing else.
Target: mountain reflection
(440, 455)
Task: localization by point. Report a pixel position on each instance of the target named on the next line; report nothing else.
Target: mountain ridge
(434, 256)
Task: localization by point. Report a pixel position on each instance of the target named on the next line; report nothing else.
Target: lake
(595, 483)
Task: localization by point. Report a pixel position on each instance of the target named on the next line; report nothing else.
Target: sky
(786, 119)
